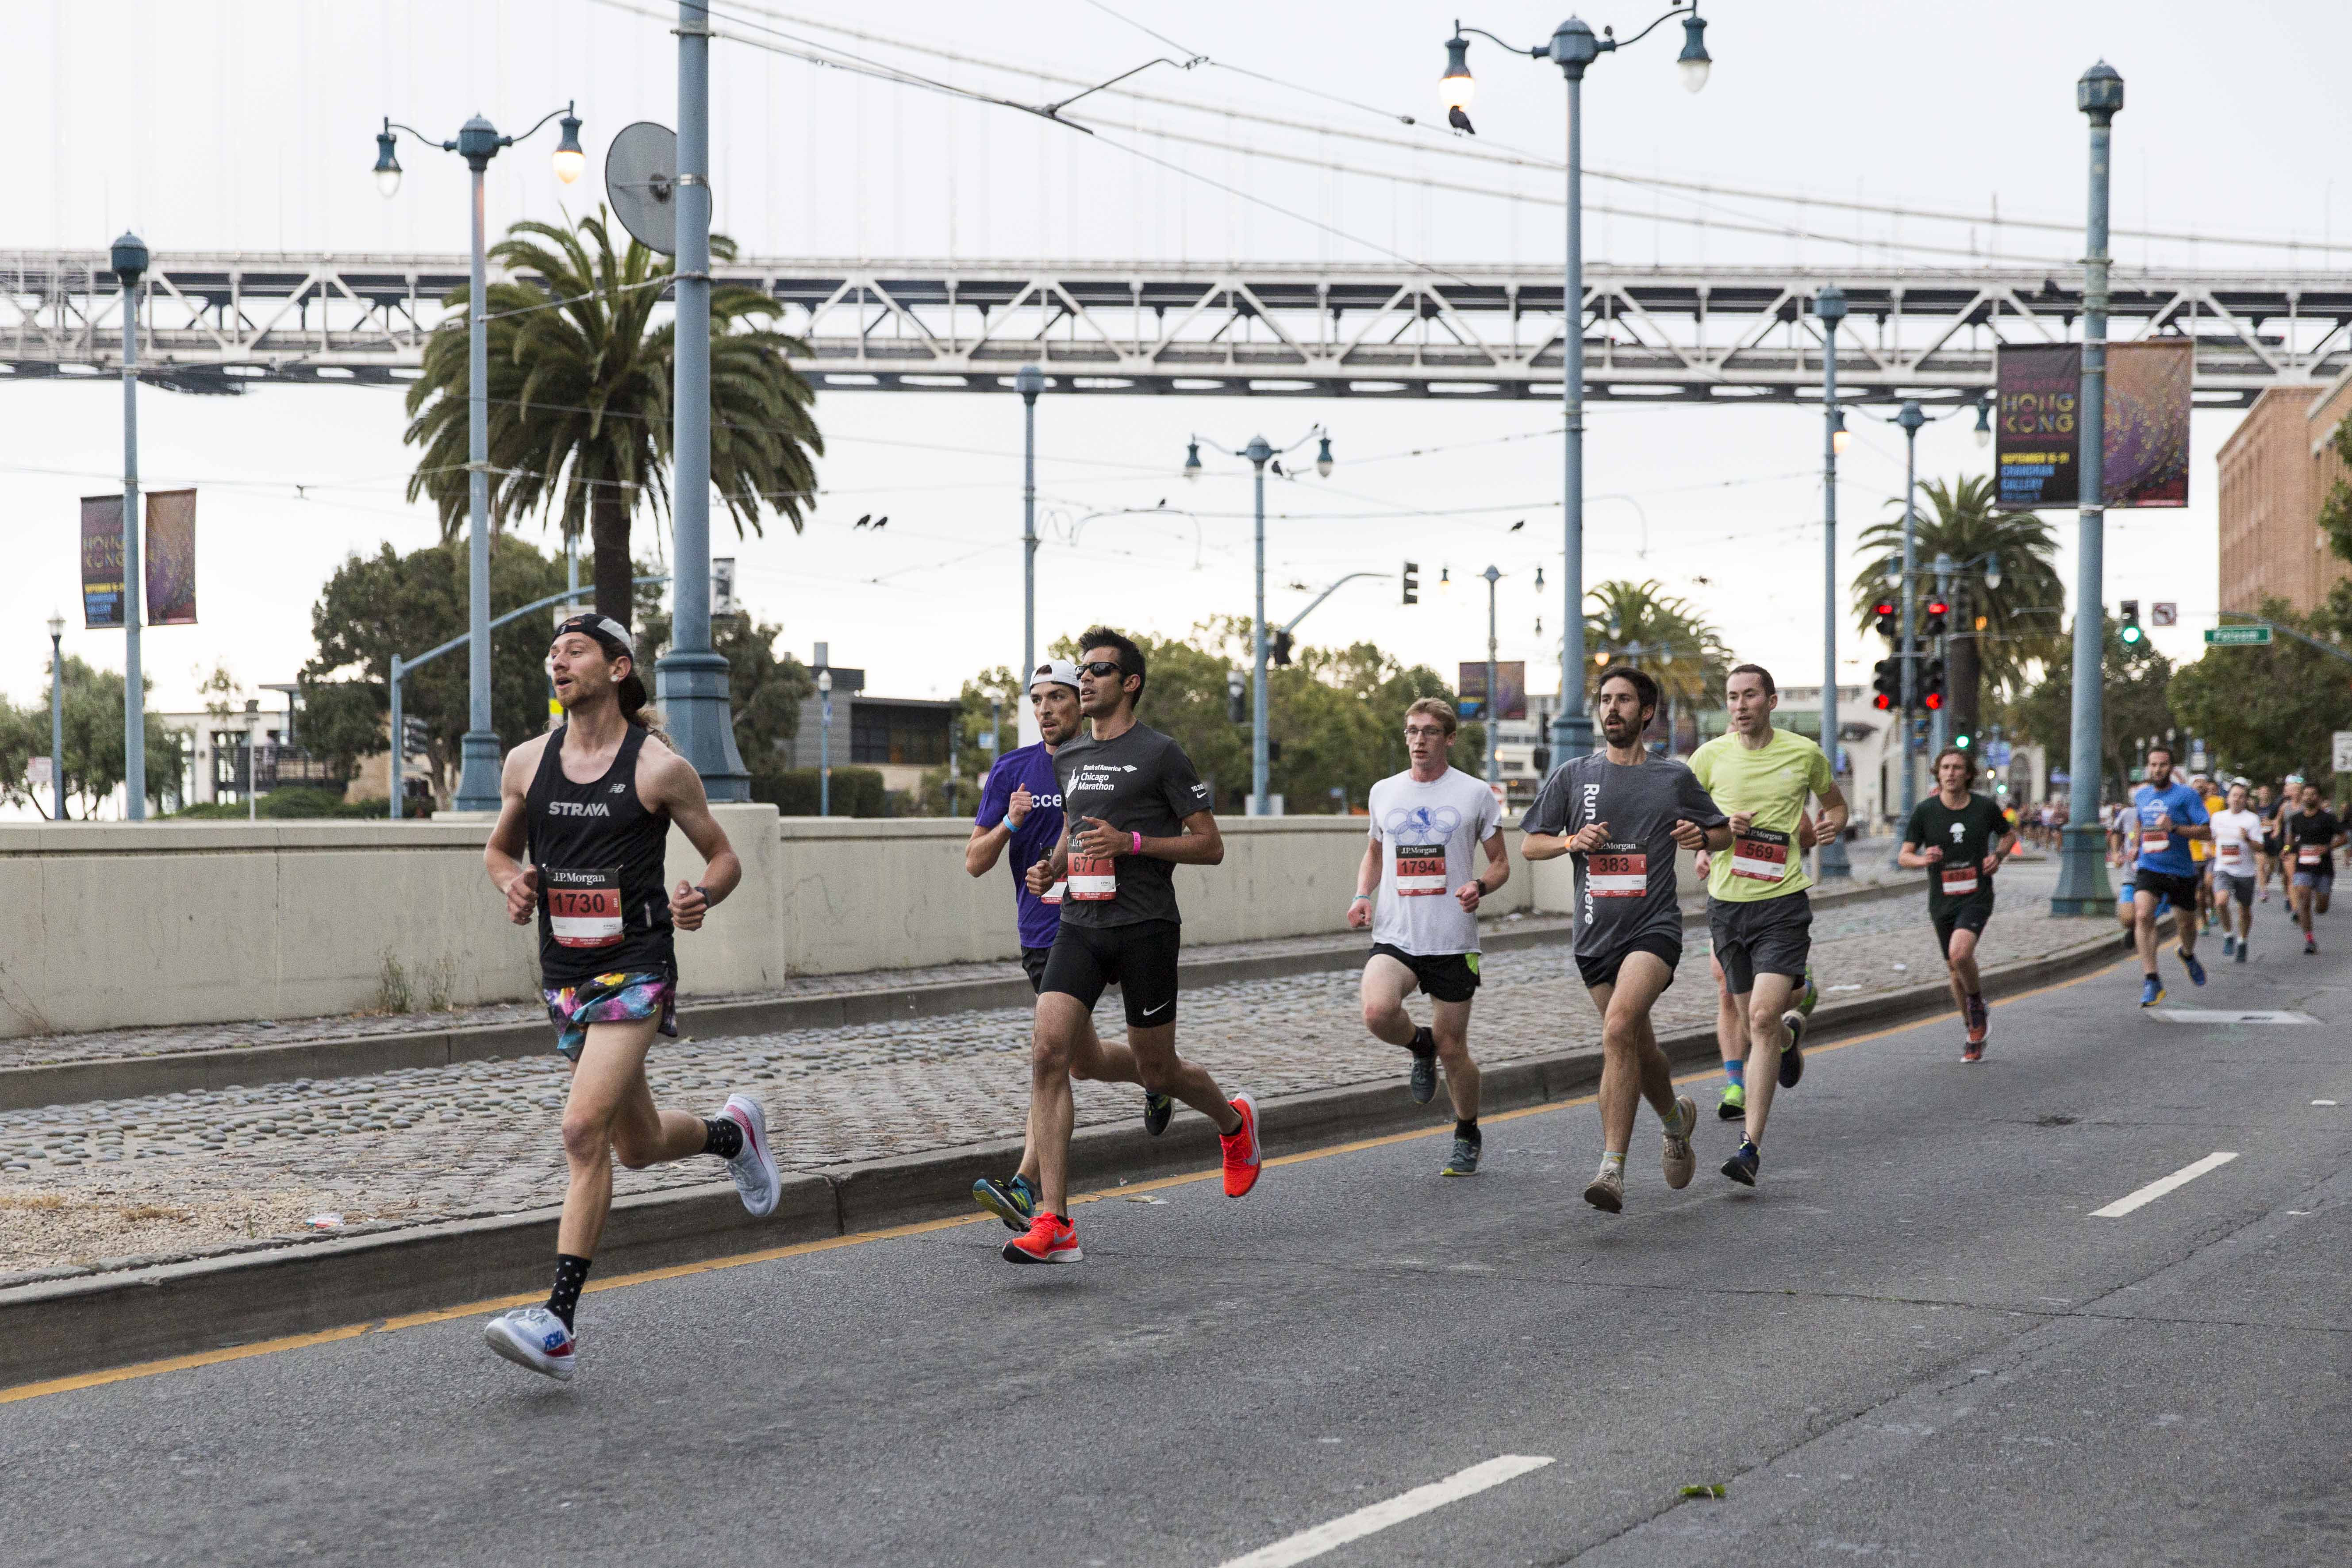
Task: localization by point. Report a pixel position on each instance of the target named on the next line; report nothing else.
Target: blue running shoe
(2151, 991)
(2196, 970)
(1741, 1167)
(1013, 1202)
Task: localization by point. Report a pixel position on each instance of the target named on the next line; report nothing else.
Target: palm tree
(1641, 624)
(2021, 618)
(580, 397)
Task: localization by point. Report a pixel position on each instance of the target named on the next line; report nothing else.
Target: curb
(129, 1077)
(62, 1326)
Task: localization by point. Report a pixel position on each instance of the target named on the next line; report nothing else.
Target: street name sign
(2237, 636)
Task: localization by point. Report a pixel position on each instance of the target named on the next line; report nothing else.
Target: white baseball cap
(1054, 672)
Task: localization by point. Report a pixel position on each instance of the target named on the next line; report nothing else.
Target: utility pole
(1493, 674)
(1259, 453)
(1028, 381)
(1911, 418)
(2083, 887)
(1828, 306)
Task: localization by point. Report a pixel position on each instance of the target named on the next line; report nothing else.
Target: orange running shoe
(1050, 1238)
(1243, 1159)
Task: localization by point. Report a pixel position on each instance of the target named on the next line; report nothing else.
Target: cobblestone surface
(112, 1183)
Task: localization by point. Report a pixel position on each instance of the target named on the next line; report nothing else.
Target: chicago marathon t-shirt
(1034, 839)
(1429, 836)
(1625, 888)
(1138, 782)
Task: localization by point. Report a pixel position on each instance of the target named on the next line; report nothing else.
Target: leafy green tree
(2269, 711)
(93, 740)
(765, 692)
(23, 735)
(2022, 616)
(377, 605)
(580, 379)
(2134, 708)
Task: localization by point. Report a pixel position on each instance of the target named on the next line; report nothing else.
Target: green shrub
(290, 804)
(857, 792)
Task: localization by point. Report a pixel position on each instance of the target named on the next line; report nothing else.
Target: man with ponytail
(591, 805)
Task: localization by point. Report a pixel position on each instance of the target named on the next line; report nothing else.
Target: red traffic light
(1937, 607)
(1933, 700)
(1884, 607)
(1881, 703)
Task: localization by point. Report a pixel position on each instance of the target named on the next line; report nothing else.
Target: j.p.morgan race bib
(1761, 855)
(2309, 855)
(1959, 882)
(1614, 874)
(1419, 870)
(2151, 842)
(583, 905)
(1093, 882)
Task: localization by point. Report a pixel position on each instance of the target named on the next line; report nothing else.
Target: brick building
(2276, 469)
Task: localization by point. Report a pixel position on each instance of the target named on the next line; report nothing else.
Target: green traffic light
(1961, 742)
(2131, 635)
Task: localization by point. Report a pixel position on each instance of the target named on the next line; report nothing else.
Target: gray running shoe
(1157, 1109)
(1681, 1160)
(1464, 1161)
(1425, 1078)
(1606, 1191)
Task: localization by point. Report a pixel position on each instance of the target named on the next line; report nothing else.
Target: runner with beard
(1417, 892)
(1021, 808)
(592, 805)
(1134, 809)
(1757, 913)
(1620, 813)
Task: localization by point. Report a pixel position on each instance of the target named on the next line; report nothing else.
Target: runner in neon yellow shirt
(1757, 910)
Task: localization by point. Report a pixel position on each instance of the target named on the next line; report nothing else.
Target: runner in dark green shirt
(1959, 840)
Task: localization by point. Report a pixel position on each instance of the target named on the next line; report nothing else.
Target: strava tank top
(602, 906)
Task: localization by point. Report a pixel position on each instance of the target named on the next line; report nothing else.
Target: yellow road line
(772, 1254)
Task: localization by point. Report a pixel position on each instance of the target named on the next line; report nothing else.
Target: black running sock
(1424, 1044)
(571, 1273)
(1468, 1128)
(724, 1137)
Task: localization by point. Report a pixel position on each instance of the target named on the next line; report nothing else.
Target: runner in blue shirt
(1021, 805)
(2168, 815)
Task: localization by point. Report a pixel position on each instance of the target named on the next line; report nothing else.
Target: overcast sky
(247, 126)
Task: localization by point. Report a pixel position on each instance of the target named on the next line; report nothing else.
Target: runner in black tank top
(591, 805)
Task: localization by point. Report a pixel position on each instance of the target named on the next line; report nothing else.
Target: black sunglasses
(1101, 668)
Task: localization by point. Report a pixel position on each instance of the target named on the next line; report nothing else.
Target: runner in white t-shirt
(1418, 893)
(2236, 848)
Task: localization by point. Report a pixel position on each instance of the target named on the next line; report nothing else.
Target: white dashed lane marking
(2156, 1189)
(1314, 1542)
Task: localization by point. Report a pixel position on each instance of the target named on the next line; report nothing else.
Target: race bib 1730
(583, 904)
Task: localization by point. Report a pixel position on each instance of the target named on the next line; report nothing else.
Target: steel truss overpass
(1697, 334)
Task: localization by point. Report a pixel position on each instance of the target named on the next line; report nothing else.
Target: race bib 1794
(1419, 870)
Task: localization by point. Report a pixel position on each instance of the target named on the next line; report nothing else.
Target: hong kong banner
(170, 550)
(2036, 444)
(101, 560)
(2144, 458)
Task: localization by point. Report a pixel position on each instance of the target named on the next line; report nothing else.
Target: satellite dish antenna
(641, 181)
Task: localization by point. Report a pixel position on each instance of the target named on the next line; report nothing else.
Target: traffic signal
(1543, 760)
(1889, 627)
(1888, 682)
(1931, 685)
(1281, 650)
(1938, 612)
(1236, 711)
(2131, 633)
(1963, 740)
(1413, 582)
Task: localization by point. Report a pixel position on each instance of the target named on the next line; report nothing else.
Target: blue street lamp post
(479, 141)
(129, 259)
(1829, 307)
(1572, 47)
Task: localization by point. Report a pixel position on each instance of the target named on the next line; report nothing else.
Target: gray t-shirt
(1429, 836)
(1139, 781)
(1625, 888)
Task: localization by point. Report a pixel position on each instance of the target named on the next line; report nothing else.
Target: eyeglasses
(1101, 670)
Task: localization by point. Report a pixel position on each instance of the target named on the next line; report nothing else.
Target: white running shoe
(535, 1338)
(754, 1166)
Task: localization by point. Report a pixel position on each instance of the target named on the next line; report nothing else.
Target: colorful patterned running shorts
(610, 999)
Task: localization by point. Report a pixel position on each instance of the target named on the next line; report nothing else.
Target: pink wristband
(1139, 845)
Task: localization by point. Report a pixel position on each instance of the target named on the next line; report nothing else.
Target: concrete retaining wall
(114, 925)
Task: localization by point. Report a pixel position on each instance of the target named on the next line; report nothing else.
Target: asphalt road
(1914, 1342)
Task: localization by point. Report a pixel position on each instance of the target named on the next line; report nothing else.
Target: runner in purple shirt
(1021, 805)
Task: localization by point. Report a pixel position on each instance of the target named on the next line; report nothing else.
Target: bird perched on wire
(870, 520)
(1459, 119)
(864, 520)
(1518, 525)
